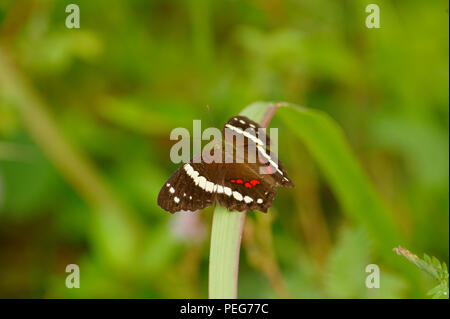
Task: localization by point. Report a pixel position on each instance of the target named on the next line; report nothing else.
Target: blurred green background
(85, 117)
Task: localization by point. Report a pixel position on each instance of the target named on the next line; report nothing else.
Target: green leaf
(328, 146)
(433, 267)
(436, 262)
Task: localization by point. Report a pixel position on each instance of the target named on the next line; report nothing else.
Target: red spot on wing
(240, 181)
(254, 182)
(248, 185)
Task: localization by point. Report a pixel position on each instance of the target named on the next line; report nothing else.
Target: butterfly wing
(187, 189)
(255, 138)
(242, 188)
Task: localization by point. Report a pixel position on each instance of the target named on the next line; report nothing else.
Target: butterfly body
(236, 182)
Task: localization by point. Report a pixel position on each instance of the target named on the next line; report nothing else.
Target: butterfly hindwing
(244, 189)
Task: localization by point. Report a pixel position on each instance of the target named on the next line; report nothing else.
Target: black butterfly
(237, 185)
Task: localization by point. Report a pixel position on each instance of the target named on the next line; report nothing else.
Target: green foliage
(345, 273)
(328, 145)
(431, 266)
(85, 118)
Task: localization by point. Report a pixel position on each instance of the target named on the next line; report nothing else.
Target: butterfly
(239, 181)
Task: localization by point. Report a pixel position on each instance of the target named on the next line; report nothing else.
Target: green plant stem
(226, 235)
